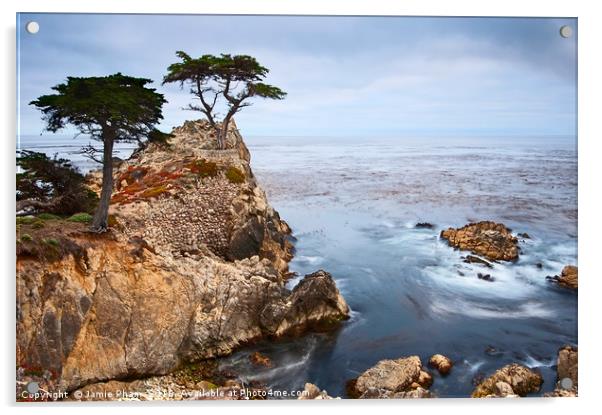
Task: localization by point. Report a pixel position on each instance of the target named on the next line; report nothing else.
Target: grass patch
(26, 238)
(37, 224)
(235, 175)
(48, 216)
(155, 191)
(25, 220)
(81, 218)
(203, 168)
(52, 242)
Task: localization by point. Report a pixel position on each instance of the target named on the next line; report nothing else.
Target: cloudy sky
(361, 76)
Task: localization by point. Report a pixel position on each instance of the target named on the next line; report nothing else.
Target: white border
(590, 136)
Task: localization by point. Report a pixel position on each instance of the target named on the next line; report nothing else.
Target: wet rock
(314, 304)
(471, 259)
(400, 378)
(524, 235)
(442, 363)
(489, 239)
(311, 391)
(424, 225)
(521, 381)
(567, 373)
(485, 277)
(568, 278)
(259, 359)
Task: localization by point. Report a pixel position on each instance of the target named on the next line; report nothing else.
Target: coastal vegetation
(225, 81)
(109, 109)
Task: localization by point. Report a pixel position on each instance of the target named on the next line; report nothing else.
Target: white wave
(484, 311)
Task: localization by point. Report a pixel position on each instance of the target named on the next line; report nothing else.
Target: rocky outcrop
(442, 363)
(568, 277)
(489, 239)
(510, 381)
(163, 287)
(312, 392)
(567, 373)
(392, 379)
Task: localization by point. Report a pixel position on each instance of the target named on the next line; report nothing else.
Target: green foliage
(26, 238)
(235, 175)
(117, 107)
(203, 168)
(48, 216)
(38, 224)
(160, 138)
(232, 78)
(52, 242)
(82, 217)
(110, 109)
(25, 220)
(53, 185)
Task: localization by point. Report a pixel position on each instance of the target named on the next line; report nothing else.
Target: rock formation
(510, 381)
(392, 379)
(489, 239)
(567, 373)
(193, 267)
(568, 277)
(311, 391)
(442, 363)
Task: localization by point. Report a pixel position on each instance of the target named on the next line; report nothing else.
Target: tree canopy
(117, 105)
(226, 79)
(109, 109)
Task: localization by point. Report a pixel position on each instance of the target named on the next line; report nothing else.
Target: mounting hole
(566, 383)
(32, 27)
(566, 31)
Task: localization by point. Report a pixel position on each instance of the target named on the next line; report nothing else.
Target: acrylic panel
(295, 207)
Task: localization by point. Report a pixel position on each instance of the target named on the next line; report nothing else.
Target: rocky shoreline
(193, 268)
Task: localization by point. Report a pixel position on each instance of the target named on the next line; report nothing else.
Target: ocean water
(353, 203)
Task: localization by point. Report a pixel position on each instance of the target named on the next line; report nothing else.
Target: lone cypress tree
(110, 109)
(225, 79)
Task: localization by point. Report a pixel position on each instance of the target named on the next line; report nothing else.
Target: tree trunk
(222, 139)
(101, 217)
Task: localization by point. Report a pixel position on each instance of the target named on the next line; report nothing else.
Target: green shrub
(203, 168)
(25, 220)
(48, 216)
(26, 238)
(38, 224)
(81, 218)
(235, 175)
(52, 242)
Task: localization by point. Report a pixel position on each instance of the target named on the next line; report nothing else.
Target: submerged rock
(392, 379)
(489, 239)
(259, 359)
(509, 381)
(311, 391)
(568, 277)
(471, 259)
(442, 363)
(567, 373)
(424, 225)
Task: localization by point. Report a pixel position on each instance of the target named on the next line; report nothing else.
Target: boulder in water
(568, 277)
(392, 379)
(442, 363)
(516, 379)
(489, 239)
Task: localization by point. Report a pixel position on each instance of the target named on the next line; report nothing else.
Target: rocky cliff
(193, 266)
